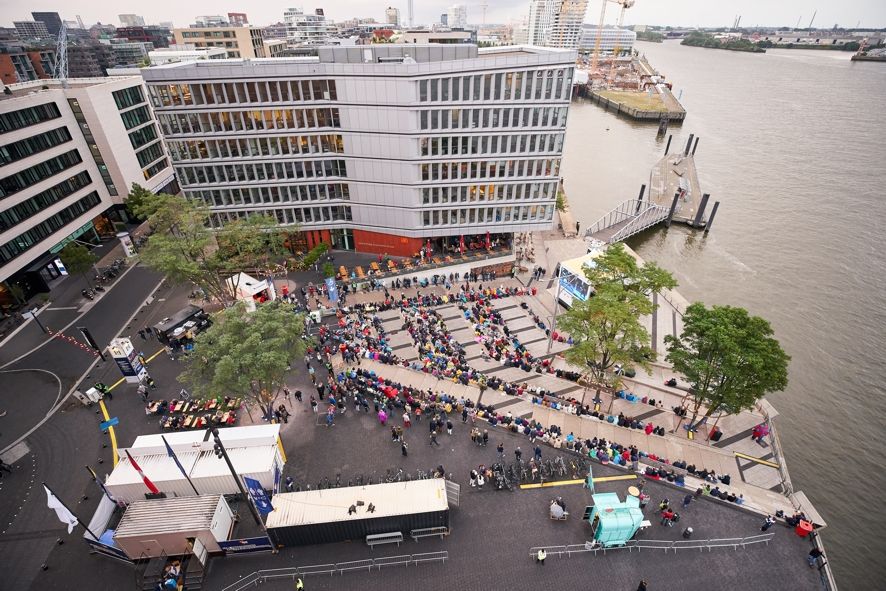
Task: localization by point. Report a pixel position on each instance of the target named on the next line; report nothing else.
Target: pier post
(695, 147)
(707, 226)
(673, 208)
(640, 198)
(701, 206)
(668, 146)
(689, 144)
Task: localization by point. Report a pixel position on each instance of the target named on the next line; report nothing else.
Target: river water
(793, 144)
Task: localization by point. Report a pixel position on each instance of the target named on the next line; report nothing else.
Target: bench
(429, 531)
(561, 518)
(388, 538)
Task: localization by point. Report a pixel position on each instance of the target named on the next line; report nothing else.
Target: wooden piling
(707, 227)
(673, 207)
(701, 207)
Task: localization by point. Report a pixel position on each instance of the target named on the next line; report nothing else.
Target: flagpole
(100, 484)
(177, 463)
(95, 537)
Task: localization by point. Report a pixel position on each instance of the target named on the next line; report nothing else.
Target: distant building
(610, 39)
(246, 42)
(130, 53)
(423, 37)
(20, 62)
(52, 20)
(238, 18)
(89, 59)
(556, 23)
(212, 20)
(444, 19)
(185, 53)
(275, 47)
(457, 16)
(307, 29)
(392, 16)
(520, 32)
(131, 20)
(156, 35)
(31, 29)
(68, 157)
(275, 31)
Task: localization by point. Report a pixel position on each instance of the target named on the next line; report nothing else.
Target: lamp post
(556, 309)
(221, 452)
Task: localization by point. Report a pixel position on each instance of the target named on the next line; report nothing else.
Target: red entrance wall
(378, 243)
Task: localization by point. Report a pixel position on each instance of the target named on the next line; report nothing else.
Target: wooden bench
(388, 538)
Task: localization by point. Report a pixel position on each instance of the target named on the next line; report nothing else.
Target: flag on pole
(64, 514)
(101, 484)
(145, 479)
(181, 468)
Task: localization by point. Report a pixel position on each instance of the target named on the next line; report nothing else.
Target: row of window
(472, 145)
(136, 117)
(33, 175)
(493, 118)
(149, 172)
(27, 117)
(43, 199)
(273, 194)
(504, 86)
(258, 120)
(128, 97)
(239, 93)
(149, 154)
(481, 169)
(255, 147)
(33, 145)
(488, 215)
(143, 136)
(252, 172)
(475, 193)
(300, 215)
(43, 230)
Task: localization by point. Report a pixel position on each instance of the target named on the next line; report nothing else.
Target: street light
(222, 453)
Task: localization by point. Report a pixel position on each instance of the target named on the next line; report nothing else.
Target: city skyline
(689, 13)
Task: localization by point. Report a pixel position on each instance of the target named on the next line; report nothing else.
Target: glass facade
(27, 117)
(34, 145)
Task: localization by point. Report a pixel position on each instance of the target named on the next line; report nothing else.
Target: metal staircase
(629, 218)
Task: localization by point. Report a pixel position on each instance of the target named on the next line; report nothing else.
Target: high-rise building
(444, 19)
(90, 59)
(238, 18)
(377, 148)
(392, 16)
(31, 29)
(68, 156)
(305, 28)
(245, 42)
(610, 39)
(410, 16)
(556, 23)
(131, 20)
(457, 16)
(211, 20)
(129, 53)
(52, 19)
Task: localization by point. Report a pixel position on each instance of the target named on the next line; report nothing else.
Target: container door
(200, 552)
(453, 490)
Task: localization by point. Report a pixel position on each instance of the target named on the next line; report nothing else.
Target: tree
(561, 201)
(246, 354)
(185, 249)
(606, 328)
(140, 202)
(77, 259)
(729, 358)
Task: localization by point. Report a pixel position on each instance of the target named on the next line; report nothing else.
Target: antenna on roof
(60, 71)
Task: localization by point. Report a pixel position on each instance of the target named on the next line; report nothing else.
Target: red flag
(429, 249)
(145, 479)
(488, 243)
(461, 244)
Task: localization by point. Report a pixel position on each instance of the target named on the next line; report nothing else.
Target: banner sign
(246, 545)
(259, 497)
(332, 289)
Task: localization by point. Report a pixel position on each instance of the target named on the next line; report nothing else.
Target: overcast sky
(846, 13)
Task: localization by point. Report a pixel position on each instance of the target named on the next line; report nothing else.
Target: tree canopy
(246, 354)
(77, 259)
(606, 329)
(729, 357)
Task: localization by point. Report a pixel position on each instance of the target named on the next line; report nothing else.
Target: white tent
(245, 288)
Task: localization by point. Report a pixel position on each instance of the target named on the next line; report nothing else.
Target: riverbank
(868, 58)
(643, 106)
(708, 41)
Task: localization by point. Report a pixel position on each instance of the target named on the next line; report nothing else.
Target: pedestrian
(449, 427)
(399, 431)
(403, 448)
(141, 333)
(434, 439)
(813, 556)
(768, 523)
(151, 383)
(330, 418)
(298, 395)
(284, 413)
(485, 437)
(540, 557)
(149, 332)
(501, 451)
(538, 453)
(299, 586)
(464, 415)
(143, 392)
(406, 420)
(518, 454)
(290, 484)
(313, 403)
(686, 500)
(286, 395)
(642, 586)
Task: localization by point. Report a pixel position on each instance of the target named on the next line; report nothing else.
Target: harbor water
(793, 144)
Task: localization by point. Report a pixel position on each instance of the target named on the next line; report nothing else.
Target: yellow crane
(596, 56)
(625, 4)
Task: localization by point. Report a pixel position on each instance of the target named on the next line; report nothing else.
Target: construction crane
(60, 71)
(812, 19)
(484, 7)
(596, 57)
(625, 4)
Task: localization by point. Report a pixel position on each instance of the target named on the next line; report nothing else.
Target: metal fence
(639, 545)
(262, 576)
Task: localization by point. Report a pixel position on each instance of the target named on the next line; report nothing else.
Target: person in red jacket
(648, 428)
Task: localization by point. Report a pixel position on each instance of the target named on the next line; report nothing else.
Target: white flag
(64, 515)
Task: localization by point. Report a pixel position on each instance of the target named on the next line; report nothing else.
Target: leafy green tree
(140, 203)
(78, 259)
(246, 354)
(561, 201)
(328, 270)
(617, 269)
(729, 357)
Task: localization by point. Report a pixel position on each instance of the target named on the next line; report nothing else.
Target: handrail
(261, 576)
(653, 544)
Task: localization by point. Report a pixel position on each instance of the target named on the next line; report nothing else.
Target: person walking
(642, 586)
(449, 427)
(540, 557)
(434, 439)
(485, 437)
(813, 556)
(151, 383)
(537, 453)
(290, 484)
(768, 523)
(298, 395)
(143, 392)
(686, 500)
(518, 454)
(464, 415)
(407, 422)
(313, 404)
(286, 396)
(299, 585)
(501, 451)
(404, 448)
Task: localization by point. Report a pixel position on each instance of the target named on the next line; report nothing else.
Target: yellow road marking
(151, 358)
(115, 384)
(568, 482)
(101, 404)
(753, 459)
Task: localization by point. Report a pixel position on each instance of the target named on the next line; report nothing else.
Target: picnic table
(374, 266)
(360, 273)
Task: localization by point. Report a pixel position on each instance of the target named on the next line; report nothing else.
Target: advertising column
(127, 360)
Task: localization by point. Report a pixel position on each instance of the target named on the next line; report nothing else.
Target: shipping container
(352, 513)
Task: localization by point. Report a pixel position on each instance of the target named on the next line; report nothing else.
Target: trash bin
(803, 529)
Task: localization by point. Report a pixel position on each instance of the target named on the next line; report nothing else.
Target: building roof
(330, 505)
(164, 516)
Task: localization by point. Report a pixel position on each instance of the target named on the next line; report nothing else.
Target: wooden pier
(673, 184)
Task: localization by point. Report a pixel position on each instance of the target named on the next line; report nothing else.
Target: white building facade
(305, 28)
(392, 16)
(67, 156)
(381, 147)
(457, 16)
(556, 23)
(610, 39)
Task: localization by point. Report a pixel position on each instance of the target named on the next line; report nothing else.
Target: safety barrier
(254, 579)
(569, 550)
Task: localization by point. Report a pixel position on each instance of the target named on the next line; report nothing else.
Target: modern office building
(556, 23)
(238, 41)
(31, 29)
(375, 148)
(185, 53)
(307, 29)
(158, 36)
(457, 16)
(425, 36)
(21, 62)
(52, 19)
(238, 18)
(131, 20)
(67, 157)
(610, 39)
(275, 47)
(130, 53)
(90, 59)
(392, 16)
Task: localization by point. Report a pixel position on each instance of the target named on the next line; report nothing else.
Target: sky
(691, 13)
